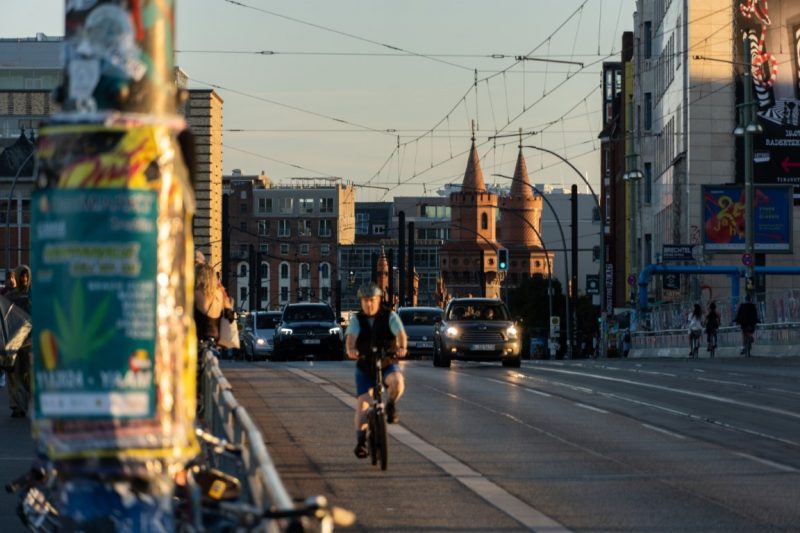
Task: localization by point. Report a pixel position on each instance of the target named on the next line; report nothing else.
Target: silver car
(419, 323)
(258, 336)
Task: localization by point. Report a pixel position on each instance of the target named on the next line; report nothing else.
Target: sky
(383, 94)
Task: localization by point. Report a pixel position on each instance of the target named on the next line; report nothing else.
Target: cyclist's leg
(363, 395)
(395, 385)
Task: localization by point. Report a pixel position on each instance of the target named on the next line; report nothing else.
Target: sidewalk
(16, 454)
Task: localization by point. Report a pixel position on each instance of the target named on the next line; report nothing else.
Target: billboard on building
(724, 218)
(773, 44)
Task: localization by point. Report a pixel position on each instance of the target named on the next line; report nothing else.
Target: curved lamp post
(602, 277)
(566, 263)
(8, 207)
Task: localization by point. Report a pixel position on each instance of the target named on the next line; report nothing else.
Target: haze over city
(385, 95)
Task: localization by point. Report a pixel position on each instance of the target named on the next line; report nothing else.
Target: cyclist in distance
(695, 328)
(712, 324)
(747, 318)
(375, 326)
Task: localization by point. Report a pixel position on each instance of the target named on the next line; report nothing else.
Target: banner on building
(773, 37)
(724, 218)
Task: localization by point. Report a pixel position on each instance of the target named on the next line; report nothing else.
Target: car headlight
(336, 330)
(260, 341)
(511, 333)
(452, 332)
(285, 331)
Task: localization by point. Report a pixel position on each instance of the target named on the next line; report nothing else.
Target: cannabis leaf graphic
(79, 336)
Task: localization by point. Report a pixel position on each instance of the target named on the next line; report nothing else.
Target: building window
(325, 228)
(378, 229)
(362, 223)
(263, 227)
(283, 228)
(326, 205)
(325, 271)
(648, 183)
(284, 271)
(325, 249)
(484, 221)
(284, 248)
(284, 294)
(264, 271)
(263, 247)
(648, 39)
(648, 111)
(243, 207)
(242, 295)
(242, 251)
(304, 228)
(265, 205)
(242, 271)
(305, 271)
(287, 205)
(304, 249)
(306, 206)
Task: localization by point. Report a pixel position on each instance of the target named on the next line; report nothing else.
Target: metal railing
(226, 419)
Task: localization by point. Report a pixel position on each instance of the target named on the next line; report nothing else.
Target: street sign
(592, 284)
(555, 326)
(747, 259)
(677, 252)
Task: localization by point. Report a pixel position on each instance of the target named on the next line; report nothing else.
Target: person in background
(747, 318)
(11, 283)
(695, 327)
(712, 325)
(209, 303)
(19, 392)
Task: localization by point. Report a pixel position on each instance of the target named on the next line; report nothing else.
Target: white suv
(259, 332)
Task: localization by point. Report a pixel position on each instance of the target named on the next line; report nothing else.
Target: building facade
(284, 242)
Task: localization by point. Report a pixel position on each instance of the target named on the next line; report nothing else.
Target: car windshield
(426, 317)
(308, 312)
(477, 312)
(266, 321)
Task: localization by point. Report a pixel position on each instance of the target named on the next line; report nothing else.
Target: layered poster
(94, 305)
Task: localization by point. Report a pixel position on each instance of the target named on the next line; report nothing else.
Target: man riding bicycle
(373, 331)
(747, 318)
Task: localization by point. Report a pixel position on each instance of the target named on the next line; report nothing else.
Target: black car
(476, 329)
(419, 323)
(307, 329)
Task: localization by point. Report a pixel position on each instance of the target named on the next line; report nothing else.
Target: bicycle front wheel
(371, 437)
(382, 440)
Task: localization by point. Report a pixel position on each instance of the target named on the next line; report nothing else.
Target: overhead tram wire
(345, 34)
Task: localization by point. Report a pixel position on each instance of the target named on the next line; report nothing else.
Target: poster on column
(772, 32)
(94, 278)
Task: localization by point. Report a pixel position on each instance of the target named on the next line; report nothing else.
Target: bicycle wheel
(371, 441)
(382, 440)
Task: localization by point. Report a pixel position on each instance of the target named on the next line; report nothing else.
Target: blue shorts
(364, 383)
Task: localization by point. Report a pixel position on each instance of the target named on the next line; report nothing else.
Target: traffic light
(502, 259)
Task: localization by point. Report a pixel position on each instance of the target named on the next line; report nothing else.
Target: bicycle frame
(377, 438)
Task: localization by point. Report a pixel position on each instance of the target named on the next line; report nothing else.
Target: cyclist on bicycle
(695, 328)
(375, 326)
(747, 318)
(712, 325)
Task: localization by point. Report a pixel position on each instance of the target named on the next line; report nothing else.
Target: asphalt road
(606, 446)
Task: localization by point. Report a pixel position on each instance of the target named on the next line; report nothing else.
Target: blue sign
(724, 218)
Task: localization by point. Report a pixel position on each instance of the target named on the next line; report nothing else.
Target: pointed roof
(521, 186)
(473, 176)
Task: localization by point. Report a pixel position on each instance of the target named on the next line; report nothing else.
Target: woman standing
(209, 302)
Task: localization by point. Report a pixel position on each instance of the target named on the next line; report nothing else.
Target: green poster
(93, 294)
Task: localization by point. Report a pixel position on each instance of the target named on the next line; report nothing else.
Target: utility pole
(573, 292)
(124, 247)
(751, 127)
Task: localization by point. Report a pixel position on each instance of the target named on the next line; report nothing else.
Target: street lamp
(747, 127)
(602, 281)
(8, 207)
(566, 262)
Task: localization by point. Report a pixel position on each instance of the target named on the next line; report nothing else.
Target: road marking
(724, 382)
(506, 502)
(665, 431)
(540, 393)
(779, 466)
(591, 408)
(713, 397)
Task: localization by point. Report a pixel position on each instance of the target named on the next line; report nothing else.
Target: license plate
(310, 341)
(483, 347)
(424, 345)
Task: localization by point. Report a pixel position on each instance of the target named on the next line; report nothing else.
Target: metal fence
(774, 307)
(226, 419)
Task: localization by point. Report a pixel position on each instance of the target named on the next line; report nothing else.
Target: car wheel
(435, 356)
(515, 362)
(444, 360)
